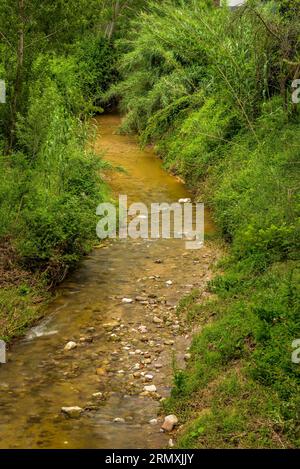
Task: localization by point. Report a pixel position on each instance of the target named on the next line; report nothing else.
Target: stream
(121, 347)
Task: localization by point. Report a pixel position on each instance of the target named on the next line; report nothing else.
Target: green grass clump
(20, 307)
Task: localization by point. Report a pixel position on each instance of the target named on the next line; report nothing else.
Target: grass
(240, 388)
(20, 307)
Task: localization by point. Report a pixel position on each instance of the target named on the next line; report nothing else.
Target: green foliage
(18, 309)
(58, 206)
(211, 89)
(241, 372)
(50, 182)
(97, 58)
(256, 200)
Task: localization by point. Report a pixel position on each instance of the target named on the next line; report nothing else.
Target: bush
(52, 186)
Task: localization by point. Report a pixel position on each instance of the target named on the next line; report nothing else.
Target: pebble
(157, 320)
(149, 377)
(86, 339)
(171, 443)
(97, 395)
(150, 388)
(72, 412)
(153, 422)
(169, 423)
(127, 300)
(187, 356)
(140, 298)
(169, 282)
(119, 420)
(70, 346)
(169, 342)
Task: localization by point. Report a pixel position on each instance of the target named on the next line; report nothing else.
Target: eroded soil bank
(120, 347)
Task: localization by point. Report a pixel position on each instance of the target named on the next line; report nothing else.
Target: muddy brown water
(114, 353)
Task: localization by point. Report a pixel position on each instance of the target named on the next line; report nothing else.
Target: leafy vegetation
(57, 60)
(211, 89)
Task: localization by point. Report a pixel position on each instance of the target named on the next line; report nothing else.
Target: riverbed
(121, 347)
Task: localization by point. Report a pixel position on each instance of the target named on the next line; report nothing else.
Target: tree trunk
(19, 74)
(117, 10)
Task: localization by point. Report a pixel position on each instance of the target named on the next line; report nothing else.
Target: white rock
(169, 423)
(169, 282)
(97, 395)
(72, 412)
(143, 329)
(149, 377)
(153, 421)
(127, 300)
(119, 420)
(70, 346)
(150, 388)
(187, 356)
(171, 443)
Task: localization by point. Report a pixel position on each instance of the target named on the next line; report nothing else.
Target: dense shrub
(52, 186)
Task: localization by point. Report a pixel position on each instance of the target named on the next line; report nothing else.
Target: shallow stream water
(117, 344)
